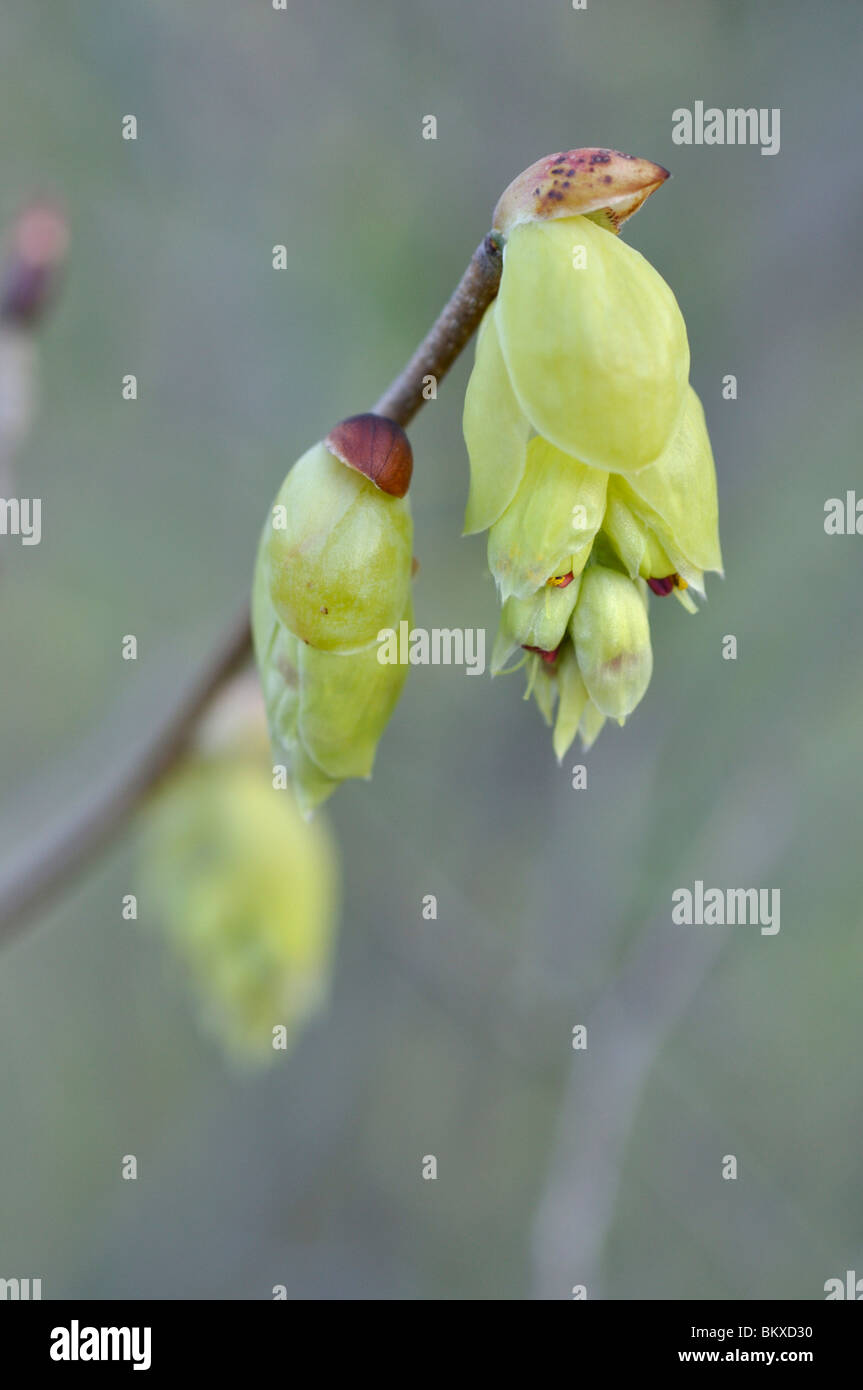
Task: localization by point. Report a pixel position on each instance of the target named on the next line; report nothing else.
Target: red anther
(665, 586)
(548, 657)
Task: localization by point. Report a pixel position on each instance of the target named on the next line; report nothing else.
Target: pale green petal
(505, 643)
(591, 725)
(685, 599)
(345, 705)
(311, 785)
(573, 699)
(634, 541)
(495, 432)
(337, 555)
(611, 633)
(656, 563)
(542, 685)
(598, 357)
(277, 656)
(676, 496)
(549, 526)
(626, 533)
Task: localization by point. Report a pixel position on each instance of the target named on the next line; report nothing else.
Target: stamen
(548, 657)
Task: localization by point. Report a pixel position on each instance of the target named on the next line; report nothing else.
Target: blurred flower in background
(34, 251)
(245, 887)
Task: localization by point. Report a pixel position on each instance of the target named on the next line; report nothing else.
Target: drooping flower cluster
(591, 465)
(333, 570)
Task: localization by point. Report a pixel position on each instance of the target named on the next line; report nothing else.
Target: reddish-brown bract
(579, 183)
(376, 447)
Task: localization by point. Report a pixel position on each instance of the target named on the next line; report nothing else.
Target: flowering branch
(29, 884)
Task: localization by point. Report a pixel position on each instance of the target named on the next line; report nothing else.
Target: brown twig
(32, 881)
(450, 333)
(28, 885)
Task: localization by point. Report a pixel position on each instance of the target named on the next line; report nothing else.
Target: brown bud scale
(376, 447)
(602, 184)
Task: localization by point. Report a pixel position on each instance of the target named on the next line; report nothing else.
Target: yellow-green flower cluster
(333, 570)
(246, 892)
(591, 466)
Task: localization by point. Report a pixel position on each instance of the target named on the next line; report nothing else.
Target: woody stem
(450, 333)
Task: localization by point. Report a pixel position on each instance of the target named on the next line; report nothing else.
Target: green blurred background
(452, 1037)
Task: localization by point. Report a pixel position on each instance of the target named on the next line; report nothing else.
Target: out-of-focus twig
(27, 887)
(626, 1030)
(29, 275)
(29, 882)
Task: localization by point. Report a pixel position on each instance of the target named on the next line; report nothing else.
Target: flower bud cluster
(333, 569)
(591, 466)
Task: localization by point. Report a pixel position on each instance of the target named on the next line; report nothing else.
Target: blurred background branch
(32, 260)
(648, 997)
(29, 880)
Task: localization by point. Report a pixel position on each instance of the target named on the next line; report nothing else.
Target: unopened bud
(326, 710)
(336, 555)
(611, 633)
(602, 184)
(247, 894)
(537, 623)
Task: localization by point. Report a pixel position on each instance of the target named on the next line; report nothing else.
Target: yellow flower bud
(588, 448)
(345, 705)
(336, 554)
(247, 894)
(537, 623)
(326, 710)
(611, 635)
(635, 544)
